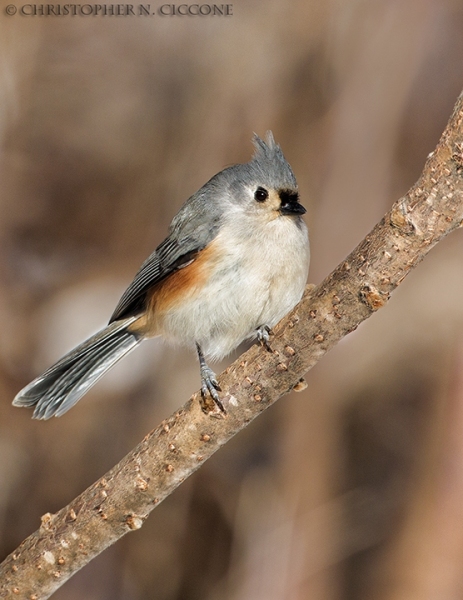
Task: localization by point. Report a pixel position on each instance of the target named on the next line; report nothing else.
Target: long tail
(63, 384)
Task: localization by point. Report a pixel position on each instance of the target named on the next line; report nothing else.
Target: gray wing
(193, 228)
(167, 258)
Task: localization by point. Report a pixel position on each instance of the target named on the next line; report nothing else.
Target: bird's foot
(210, 386)
(263, 337)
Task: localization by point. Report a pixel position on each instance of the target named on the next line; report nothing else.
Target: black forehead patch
(288, 196)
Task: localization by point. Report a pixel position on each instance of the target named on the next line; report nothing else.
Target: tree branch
(121, 500)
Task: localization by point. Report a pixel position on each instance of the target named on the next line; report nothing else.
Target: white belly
(260, 277)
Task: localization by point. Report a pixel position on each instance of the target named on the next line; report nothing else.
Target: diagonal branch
(121, 500)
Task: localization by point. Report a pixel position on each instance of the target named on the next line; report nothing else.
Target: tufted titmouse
(234, 263)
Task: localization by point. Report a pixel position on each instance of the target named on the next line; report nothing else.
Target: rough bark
(121, 500)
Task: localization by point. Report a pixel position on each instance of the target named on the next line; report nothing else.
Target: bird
(234, 263)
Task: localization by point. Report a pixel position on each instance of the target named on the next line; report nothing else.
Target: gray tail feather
(63, 384)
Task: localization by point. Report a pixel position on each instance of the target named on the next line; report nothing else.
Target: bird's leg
(263, 336)
(209, 382)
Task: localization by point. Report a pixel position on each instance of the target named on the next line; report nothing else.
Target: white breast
(259, 278)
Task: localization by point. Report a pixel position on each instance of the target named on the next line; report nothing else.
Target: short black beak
(290, 203)
(292, 208)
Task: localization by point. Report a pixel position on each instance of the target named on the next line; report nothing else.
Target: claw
(209, 383)
(263, 337)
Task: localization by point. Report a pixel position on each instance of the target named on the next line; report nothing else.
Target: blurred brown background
(352, 490)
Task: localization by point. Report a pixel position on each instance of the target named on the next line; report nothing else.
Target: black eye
(261, 194)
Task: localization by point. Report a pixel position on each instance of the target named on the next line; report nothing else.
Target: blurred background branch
(106, 126)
